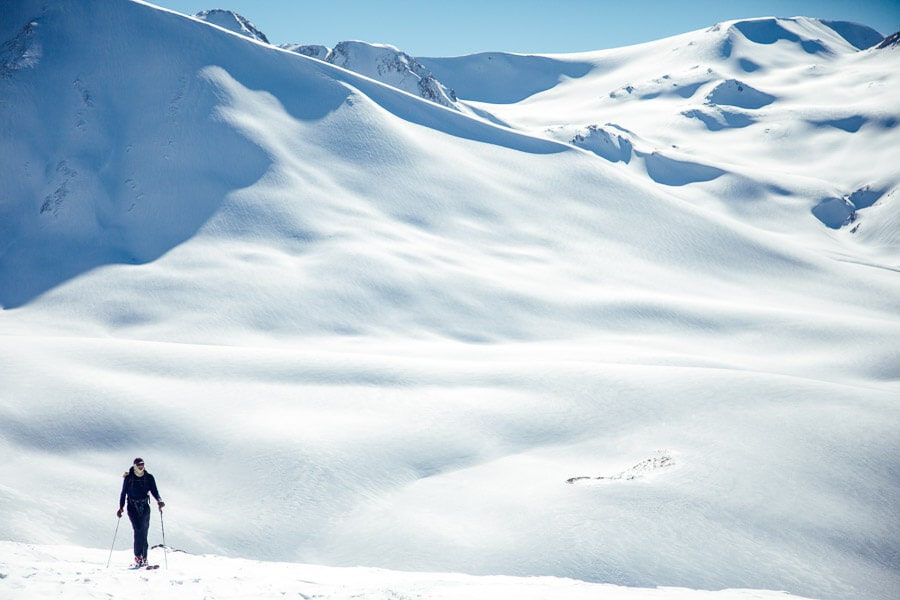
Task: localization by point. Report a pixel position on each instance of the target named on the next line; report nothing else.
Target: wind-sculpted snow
(606, 141)
(770, 31)
(348, 326)
(736, 93)
(105, 174)
(838, 212)
(102, 161)
(812, 36)
(724, 109)
(716, 118)
(616, 144)
(859, 36)
(671, 171)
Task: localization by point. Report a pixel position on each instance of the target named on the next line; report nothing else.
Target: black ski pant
(139, 514)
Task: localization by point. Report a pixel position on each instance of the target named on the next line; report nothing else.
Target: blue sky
(457, 27)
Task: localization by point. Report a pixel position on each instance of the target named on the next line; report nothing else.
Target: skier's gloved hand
(119, 513)
(161, 504)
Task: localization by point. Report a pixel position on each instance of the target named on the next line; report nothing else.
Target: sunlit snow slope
(779, 119)
(29, 571)
(345, 325)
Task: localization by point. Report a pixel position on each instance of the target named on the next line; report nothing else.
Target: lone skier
(137, 484)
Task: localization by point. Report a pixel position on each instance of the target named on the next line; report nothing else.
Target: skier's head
(138, 464)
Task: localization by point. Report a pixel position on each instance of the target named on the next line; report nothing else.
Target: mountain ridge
(393, 330)
(232, 21)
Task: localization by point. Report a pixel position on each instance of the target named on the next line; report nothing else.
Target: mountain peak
(232, 21)
(892, 40)
(384, 63)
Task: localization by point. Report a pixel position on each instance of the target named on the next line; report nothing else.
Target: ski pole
(119, 520)
(162, 526)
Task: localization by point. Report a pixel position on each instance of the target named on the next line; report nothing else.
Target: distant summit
(311, 50)
(889, 41)
(392, 66)
(383, 63)
(232, 21)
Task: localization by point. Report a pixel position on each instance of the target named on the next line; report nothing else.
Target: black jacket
(137, 488)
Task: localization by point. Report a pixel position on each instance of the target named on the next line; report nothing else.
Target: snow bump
(737, 93)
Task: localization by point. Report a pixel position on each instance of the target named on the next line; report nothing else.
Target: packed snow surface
(28, 571)
(349, 326)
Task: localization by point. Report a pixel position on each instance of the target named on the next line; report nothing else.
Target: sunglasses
(140, 465)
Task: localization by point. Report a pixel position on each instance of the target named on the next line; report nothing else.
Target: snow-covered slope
(351, 327)
(764, 108)
(70, 572)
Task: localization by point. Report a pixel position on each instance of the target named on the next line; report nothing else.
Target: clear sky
(457, 27)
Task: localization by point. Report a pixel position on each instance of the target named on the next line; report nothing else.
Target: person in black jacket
(137, 485)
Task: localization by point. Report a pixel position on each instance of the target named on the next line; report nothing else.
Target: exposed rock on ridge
(383, 63)
(233, 22)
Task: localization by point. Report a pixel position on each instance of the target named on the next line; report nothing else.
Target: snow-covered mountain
(311, 50)
(389, 65)
(766, 90)
(230, 20)
(348, 326)
(383, 63)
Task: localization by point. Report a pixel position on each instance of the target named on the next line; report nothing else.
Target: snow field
(55, 570)
(345, 326)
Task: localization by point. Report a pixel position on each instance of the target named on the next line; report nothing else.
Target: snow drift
(348, 326)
